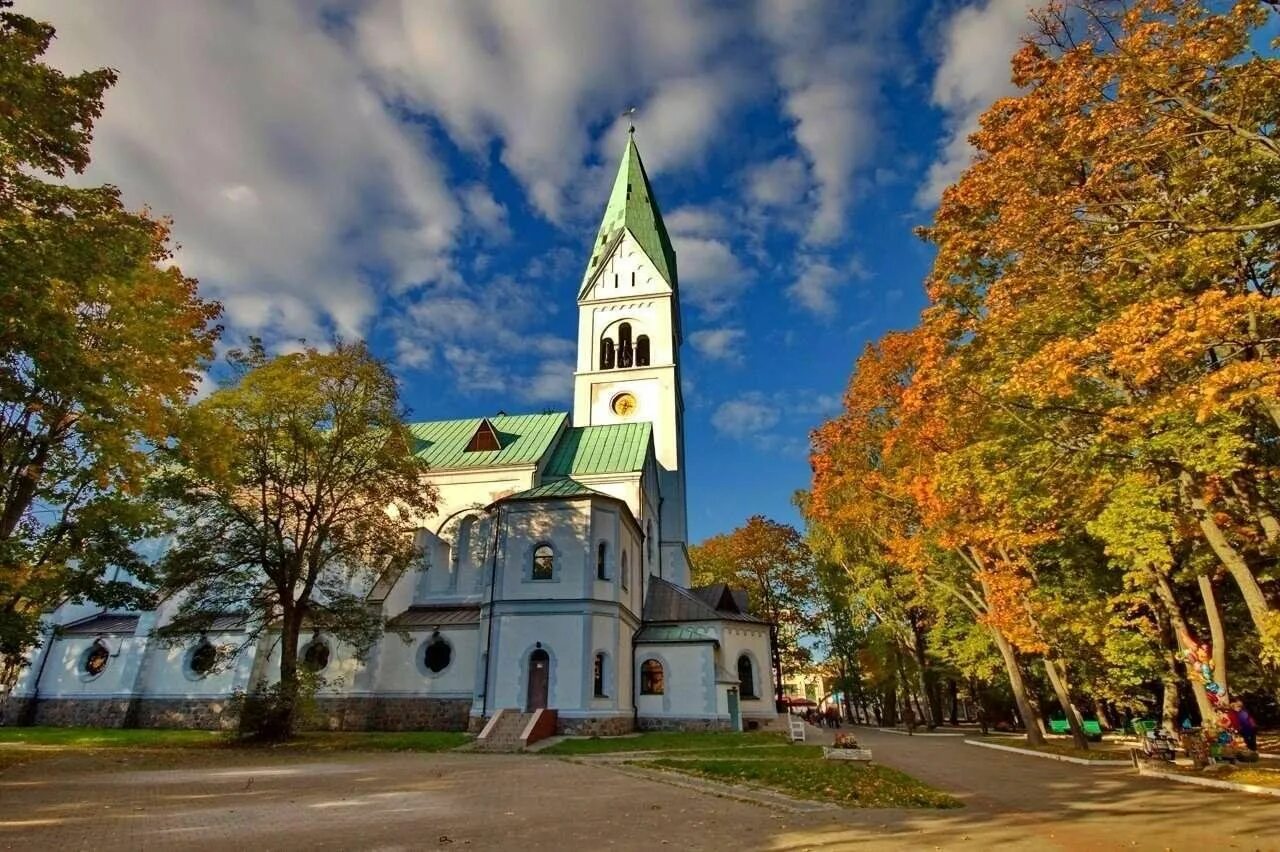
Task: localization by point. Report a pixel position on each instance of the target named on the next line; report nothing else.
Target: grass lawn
(848, 784)
(667, 741)
(168, 747)
(1095, 753)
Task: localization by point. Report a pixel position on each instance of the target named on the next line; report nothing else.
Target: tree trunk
(1104, 718)
(1254, 597)
(280, 718)
(955, 701)
(975, 691)
(1217, 635)
(1058, 679)
(1181, 634)
(1019, 688)
(1169, 702)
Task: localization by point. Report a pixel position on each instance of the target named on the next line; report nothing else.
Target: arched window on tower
(602, 554)
(746, 678)
(642, 350)
(606, 354)
(624, 345)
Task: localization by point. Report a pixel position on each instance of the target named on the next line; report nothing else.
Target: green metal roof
(632, 207)
(613, 448)
(525, 438)
(556, 488)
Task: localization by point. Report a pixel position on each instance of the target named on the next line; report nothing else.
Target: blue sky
(429, 175)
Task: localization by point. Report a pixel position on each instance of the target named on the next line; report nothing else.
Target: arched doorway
(539, 672)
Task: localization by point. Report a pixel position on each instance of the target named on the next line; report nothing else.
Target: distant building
(553, 576)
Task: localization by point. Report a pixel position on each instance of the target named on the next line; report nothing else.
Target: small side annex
(702, 661)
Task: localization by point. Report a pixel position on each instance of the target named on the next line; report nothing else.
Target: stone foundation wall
(332, 714)
(663, 723)
(370, 713)
(72, 712)
(593, 726)
(209, 714)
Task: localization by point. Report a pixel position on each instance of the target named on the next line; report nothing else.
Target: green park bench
(1092, 729)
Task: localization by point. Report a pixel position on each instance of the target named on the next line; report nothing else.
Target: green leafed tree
(772, 562)
(294, 488)
(102, 340)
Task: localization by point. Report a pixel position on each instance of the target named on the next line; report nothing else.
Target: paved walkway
(528, 802)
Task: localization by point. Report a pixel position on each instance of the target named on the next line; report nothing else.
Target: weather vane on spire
(630, 116)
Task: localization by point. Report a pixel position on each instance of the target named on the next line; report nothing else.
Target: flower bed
(846, 748)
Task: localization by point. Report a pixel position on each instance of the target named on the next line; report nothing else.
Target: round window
(437, 656)
(96, 659)
(203, 658)
(316, 656)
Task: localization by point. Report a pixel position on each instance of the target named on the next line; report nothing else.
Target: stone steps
(503, 734)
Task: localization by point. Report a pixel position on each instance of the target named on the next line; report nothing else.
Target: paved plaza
(532, 802)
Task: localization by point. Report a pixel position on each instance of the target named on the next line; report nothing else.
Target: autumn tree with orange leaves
(1095, 381)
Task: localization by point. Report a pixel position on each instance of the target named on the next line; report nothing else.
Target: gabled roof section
(556, 488)
(610, 448)
(419, 617)
(668, 602)
(523, 440)
(104, 622)
(632, 207)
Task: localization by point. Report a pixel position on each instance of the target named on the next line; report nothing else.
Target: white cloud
(719, 344)
(748, 417)
(488, 339)
(973, 72)
(712, 278)
(485, 211)
(534, 77)
(829, 57)
(257, 132)
(781, 182)
(816, 285)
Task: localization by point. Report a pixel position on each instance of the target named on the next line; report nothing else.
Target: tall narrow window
(606, 354)
(624, 345)
(746, 678)
(602, 553)
(642, 350)
(633, 278)
(615, 281)
(598, 679)
(544, 562)
(625, 570)
(651, 680)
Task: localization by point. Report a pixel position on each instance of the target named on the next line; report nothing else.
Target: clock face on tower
(623, 405)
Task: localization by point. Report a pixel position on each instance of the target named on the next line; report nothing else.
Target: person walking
(1245, 725)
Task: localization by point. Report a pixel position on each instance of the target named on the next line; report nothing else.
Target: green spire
(633, 208)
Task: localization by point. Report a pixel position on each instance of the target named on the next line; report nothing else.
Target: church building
(554, 576)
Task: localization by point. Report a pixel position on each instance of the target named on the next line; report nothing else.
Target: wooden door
(539, 671)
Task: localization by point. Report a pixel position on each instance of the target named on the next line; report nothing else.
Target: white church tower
(629, 342)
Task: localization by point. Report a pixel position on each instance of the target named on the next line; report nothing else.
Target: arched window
(598, 678)
(642, 350)
(746, 678)
(544, 562)
(437, 654)
(315, 657)
(624, 345)
(606, 354)
(462, 547)
(651, 680)
(625, 570)
(96, 659)
(648, 541)
(602, 553)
